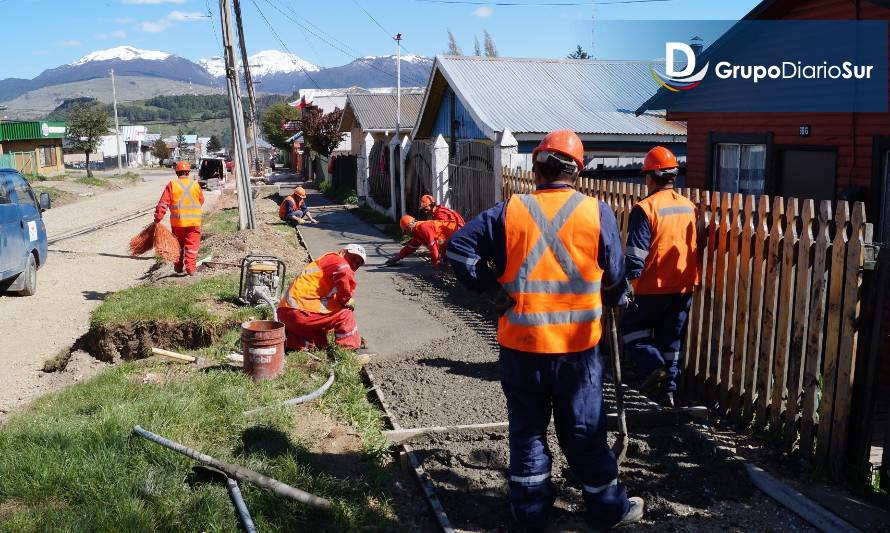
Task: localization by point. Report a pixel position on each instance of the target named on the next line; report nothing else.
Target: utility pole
(398, 84)
(239, 149)
(117, 127)
(251, 95)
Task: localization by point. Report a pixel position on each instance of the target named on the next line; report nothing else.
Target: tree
(476, 50)
(180, 139)
(453, 48)
(274, 116)
(213, 145)
(159, 149)
(87, 123)
(579, 53)
(490, 49)
(321, 131)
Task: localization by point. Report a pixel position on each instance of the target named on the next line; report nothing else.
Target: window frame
(764, 138)
(27, 186)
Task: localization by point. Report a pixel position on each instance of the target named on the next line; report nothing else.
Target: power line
(539, 4)
(377, 22)
(281, 42)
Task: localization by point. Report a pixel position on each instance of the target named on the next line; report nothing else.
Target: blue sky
(56, 32)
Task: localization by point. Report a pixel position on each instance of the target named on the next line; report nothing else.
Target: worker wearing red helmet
(184, 198)
(551, 260)
(429, 208)
(320, 301)
(662, 265)
(293, 209)
(433, 234)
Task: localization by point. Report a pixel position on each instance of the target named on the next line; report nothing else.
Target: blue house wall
(466, 127)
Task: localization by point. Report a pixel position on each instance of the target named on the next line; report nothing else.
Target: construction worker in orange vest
(320, 300)
(662, 266)
(430, 209)
(293, 209)
(551, 260)
(433, 234)
(184, 198)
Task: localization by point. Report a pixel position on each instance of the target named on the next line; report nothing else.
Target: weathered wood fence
(773, 330)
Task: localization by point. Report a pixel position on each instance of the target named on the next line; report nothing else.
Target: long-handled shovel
(620, 446)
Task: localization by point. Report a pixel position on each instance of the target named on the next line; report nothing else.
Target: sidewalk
(390, 322)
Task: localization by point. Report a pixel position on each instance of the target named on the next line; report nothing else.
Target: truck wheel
(29, 281)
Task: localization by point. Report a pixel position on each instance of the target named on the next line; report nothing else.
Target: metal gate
(471, 178)
(378, 163)
(418, 175)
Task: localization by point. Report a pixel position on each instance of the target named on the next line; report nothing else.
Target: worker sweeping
(662, 264)
(293, 209)
(551, 260)
(320, 300)
(433, 211)
(433, 234)
(184, 198)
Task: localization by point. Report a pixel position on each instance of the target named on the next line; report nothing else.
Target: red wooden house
(805, 155)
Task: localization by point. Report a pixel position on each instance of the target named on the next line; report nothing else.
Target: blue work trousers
(653, 329)
(570, 388)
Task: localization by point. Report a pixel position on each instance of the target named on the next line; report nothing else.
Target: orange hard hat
(426, 200)
(406, 221)
(565, 142)
(183, 166)
(301, 192)
(660, 158)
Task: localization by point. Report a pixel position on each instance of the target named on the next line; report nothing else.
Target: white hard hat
(356, 249)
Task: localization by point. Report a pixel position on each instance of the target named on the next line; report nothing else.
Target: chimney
(697, 45)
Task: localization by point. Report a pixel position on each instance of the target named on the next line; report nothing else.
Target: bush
(341, 195)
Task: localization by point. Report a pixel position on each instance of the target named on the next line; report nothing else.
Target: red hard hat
(565, 142)
(426, 200)
(660, 158)
(183, 166)
(405, 222)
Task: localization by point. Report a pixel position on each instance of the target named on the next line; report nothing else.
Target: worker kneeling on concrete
(294, 210)
(662, 264)
(433, 211)
(433, 234)
(554, 258)
(320, 300)
(184, 198)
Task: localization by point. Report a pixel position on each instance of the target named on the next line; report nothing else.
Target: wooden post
(783, 335)
(712, 201)
(716, 349)
(758, 271)
(768, 321)
(729, 319)
(739, 366)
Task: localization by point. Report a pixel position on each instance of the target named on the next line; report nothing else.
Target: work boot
(666, 399)
(634, 513)
(654, 382)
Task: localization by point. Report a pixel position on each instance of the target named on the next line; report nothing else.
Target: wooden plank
(783, 330)
(768, 317)
(739, 366)
(832, 331)
(758, 271)
(849, 341)
(716, 347)
(713, 204)
(813, 354)
(693, 328)
(732, 274)
(797, 346)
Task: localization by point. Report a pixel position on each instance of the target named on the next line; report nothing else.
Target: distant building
(32, 147)
(376, 114)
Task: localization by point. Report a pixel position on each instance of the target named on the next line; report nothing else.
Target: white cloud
(123, 20)
(69, 43)
(154, 1)
(156, 26)
(483, 12)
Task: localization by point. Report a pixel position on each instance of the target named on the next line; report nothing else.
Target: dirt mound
(135, 340)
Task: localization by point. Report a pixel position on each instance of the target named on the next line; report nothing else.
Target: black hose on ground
(301, 399)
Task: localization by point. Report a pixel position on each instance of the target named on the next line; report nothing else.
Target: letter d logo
(670, 50)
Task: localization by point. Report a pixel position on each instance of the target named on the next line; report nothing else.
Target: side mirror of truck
(45, 201)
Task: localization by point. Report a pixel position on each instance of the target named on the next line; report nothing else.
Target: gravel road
(79, 273)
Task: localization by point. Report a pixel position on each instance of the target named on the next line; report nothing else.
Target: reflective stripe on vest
(556, 286)
(671, 262)
(186, 209)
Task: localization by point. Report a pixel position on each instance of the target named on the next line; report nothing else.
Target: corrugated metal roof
(542, 95)
(378, 111)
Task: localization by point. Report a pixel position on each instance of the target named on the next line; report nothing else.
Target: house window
(740, 168)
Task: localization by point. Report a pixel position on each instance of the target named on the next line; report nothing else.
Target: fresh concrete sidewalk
(390, 322)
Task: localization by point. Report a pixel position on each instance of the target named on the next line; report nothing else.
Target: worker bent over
(320, 300)
(433, 211)
(293, 209)
(554, 258)
(184, 198)
(662, 264)
(433, 234)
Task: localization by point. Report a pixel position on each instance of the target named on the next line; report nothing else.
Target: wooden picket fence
(773, 330)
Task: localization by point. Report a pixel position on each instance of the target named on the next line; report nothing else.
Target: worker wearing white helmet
(320, 300)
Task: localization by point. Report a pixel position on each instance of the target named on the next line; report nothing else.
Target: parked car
(210, 168)
(22, 233)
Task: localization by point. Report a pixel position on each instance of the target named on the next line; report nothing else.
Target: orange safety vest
(185, 209)
(282, 208)
(672, 258)
(313, 291)
(552, 273)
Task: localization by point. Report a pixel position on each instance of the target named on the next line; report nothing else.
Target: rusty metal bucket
(262, 343)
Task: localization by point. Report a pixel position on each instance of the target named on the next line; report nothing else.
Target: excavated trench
(135, 340)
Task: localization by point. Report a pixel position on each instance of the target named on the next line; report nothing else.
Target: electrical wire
(281, 42)
(377, 22)
(539, 4)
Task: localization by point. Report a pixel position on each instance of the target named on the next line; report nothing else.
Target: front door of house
(807, 173)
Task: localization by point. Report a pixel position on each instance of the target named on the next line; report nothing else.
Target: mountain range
(272, 70)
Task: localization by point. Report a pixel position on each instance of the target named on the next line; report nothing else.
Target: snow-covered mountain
(262, 64)
(124, 53)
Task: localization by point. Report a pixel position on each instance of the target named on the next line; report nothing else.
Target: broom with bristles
(157, 236)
